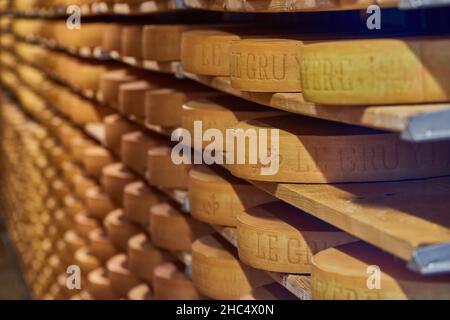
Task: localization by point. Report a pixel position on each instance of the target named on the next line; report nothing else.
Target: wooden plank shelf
(147, 7)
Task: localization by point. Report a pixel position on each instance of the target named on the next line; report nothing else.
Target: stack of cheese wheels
(163, 106)
(120, 229)
(171, 283)
(216, 197)
(271, 291)
(318, 151)
(115, 127)
(134, 148)
(143, 257)
(94, 159)
(99, 285)
(131, 41)
(85, 223)
(172, 230)
(101, 245)
(98, 203)
(140, 292)
(361, 271)
(111, 38)
(163, 172)
(121, 278)
(110, 83)
(114, 179)
(411, 73)
(137, 200)
(217, 272)
(279, 237)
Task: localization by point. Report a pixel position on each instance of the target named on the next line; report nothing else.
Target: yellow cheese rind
(120, 229)
(99, 285)
(140, 292)
(100, 245)
(114, 179)
(134, 149)
(137, 201)
(121, 278)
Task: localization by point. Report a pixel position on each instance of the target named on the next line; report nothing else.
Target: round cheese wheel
(265, 65)
(65, 291)
(140, 292)
(111, 37)
(115, 127)
(137, 200)
(83, 295)
(60, 189)
(217, 272)
(94, 159)
(114, 179)
(121, 278)
(70, 170)
(85, 223)
(63, 220)
(101, 245)
(99, 285)
(120, 229)
(360, 271)
(377, 71)
(110, 83)
(172, 230)
(216, 197)
(132, 98)
(162, 172)
(171, 283)
(77, 147)
(131, 41)
(82, 184)
(143, 257)
(134, 148)
(279, 237)
(74, 241)
(86, 260)
(72, 205)
(98, 203)
(318, 151)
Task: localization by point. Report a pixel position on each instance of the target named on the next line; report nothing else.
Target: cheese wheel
(98, 203)
(143, 257)
(121, 278)
(171, 283)
(172, 230)
(83, 295)
(77, 147)
(350, 272)
(85, 223)
(86, 261)
(132, 98)
(216, 197)
(70, 170)
(163, 107)
(131, 41)
(318, 151)
(134, 148)
(99, 285)
(120, 229)
(62, 220)
(265, 65)
(114, 179)
(94, 159)
(60, 189)
(272, 291)
(217, 272)
(82, 184)
(377, 71)
(140, 292)
(137, 200)
(111, 37)
(110, 83)
(72, 205)
(162, 172)
(279, 237)
(101, 245)
(115, 127)
(74, 241)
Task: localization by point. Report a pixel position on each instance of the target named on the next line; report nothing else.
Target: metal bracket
(185, 205)
(418, 4)
(179, 73)
(428, 127)
(431, 260)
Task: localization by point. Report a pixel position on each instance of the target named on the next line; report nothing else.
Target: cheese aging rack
(225, 149)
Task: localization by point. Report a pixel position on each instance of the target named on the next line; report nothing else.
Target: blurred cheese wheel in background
(216, 197)
(140, 292)
(101, 245)
(131, 97)
(85, 223)
(110, 83)
(272, 291)
(111, 37)
(86, 260)
(73, 205)
(348, 272)
(115, 127)
(134, 148)
(83, 295)
(77, 147)
(217, 272)
(137, 200)
(171, 283)
(279, 237)
(172, 230)
(114, 179)
(60, 189)
(143, 257)
(120, 229)
(82, 184)
(70, 170)
(94, 159)
(163, 172)
(63, 220)
(74, 241)
(131, 41)
(98, 203)
(99, 285)
(121, 278)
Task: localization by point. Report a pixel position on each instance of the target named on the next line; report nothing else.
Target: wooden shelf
(147, 7)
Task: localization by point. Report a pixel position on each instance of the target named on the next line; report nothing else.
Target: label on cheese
(279, 237)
